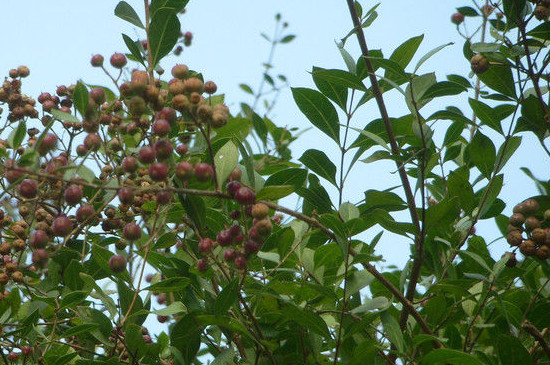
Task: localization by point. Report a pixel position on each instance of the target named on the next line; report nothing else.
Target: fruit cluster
(529, 230)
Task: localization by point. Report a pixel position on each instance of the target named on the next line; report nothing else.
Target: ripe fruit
(129, 164)
(531, 223)
(538, 235)
(118, 60)
(182, 149)
(131, 231)
(204, 172)
(224, 238)
(206, 244)
(517, 219)
(38, 239)
(479, 63)
(163, 149)
(62, 226)
(229, 254)
(92, 142)
(514, 238)
(146, 154)
(233, 186)
(97, 60)
(117, 263)
(126, 195)
(158, 171)
(168, 114)
(245, 196)
(543, 252)
(84, 212)
(251, 246)
(240, 262)
(48, 143)
(529, 207)
(541, 12)
(184, 170)
(457, 18)
(28, 188)
(73, 194)
(202, 265)
(161, 128)
(210, 87)
(528, 248)
(40, 257)
(97, 94)
(180, 71)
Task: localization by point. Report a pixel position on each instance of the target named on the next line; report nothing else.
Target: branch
(533, 331)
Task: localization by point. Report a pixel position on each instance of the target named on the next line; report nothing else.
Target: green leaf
(467, 11)
(173, 5)
(246, 89)
(405, 52)
(185, 340)
(511, 351)
(532, 117)
(163, 34)
(227, 297)
(443, 88)
(125, 12)
(319, 163)
(67, 117)
(168, 239)
(126, 297)
(541, 31)
(318, 109)
(83, 328)
(339, 77)
(226, 160)
(372, 304)
(392, 330)
(481, 152)
(195, 208)
(335, 92)
(288, 38)
(430, 54)
(307, 319)
(133, 48)
(274, 192)
(506, 151)
(81, 98)
(459, 185)
(171, 309)
(448, 356)
(500, 79)
(486, 114)
(292, 176)
(513, 9)
(382, 199)
(440, 216)
(174, 284)
(420, 84)
(17, 135)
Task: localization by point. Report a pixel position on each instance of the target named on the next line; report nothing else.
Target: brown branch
(537, 335)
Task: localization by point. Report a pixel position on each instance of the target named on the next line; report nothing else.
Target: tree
(155, 192)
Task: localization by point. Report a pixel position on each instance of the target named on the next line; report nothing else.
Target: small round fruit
(117, 263)
(512, 261)
(131, 231)
(260, 210)
(48, 143)
(240, 262)
(264, 226)
(202, 265)
(97, 60)
(204, 172)
(180, 71)
(39, 239)
(161, 128)
(149, 278)
(514, 238)
(118, 60)
(530, 207)
(224, 238)
(126, 195)
(158, 171)
(40, 258)
(84, 212)
(541, 12)
(543, 252)
(479, 63)
(73, 194)
(163, 149)
(184, 170)
(531, 223)
(164, 197)
(229, 255)
(28, 189)
(517, 219)
(92, 142)
(457, 18)
(210, 87)
(62, 226)
(251, 246)
(528, 248)
(538, 235)
(129, 164)
(146, 154)
(245, 196)
(206, 244)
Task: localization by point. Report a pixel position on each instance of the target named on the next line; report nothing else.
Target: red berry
(28, 188)
(97, 94)
(163, 149)
(149, 278)
(184, 170)
(204, 172)
(62, 226)
(180, 71)
(117, 263)
(84, 212)
(245, 196)
(233, 186)
(168, 114)
(158, 171)
(146, 155)
(229, 254)
(26, 350)
(457, 18)
(224, 238)
(164, 197)
(129, 164)
(131, 231)
(92, 142)
(182, 149)
(251, 246)
(97, 60)
(73, 194)
(38, 239)
(118, 60)
(202, 265)
(48, 143)
(40, 257)
(126, 195)
(240, 262)
(161, 127)
(205, 244)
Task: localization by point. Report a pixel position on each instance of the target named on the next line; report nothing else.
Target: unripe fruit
(205, 244)
(457, 18)
(232, 187)
(117, 263)
(73, 194)
(131, 231)
(118, 60)
(137, 106)
(182, 149)
(517, 219)
(161, 128)
(236, 174)
(180, 102)
(39, 239)
(146, 155)
(245, 196)
(240, 262)
(543, 252)
(97, 60)
(23, 71)
(528, 248)
(530, 207)
(40, 257)
(264, 226)
(184, 170)
(163, 149)
(129, 164)
(164, 197)
(512, 261)
(251, 246)
(48, 143)
(180, 71)
(202, 265)
(97, 94)
(224, 238)
(260, 211)
(92, 142)
(210, 87)
(479, 63)
(28, 189)
(204, 172)
(531, 223)
(229, 255)
(514, 238)
(158, 171)
(62, 226)
(84, 212)
(168, 114)
(193, 84)
(126, 195)
(81, 150)
(140, 80)
(176, 87)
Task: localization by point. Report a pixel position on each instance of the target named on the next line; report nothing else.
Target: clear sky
(57, 39)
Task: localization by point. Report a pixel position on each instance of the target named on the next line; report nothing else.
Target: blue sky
(57, 41)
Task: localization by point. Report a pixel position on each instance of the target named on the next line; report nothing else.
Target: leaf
(288, 38)
(459, 186)
(467, 11)
(481, 152)
(320, 112)
(382, 199)
(392, 330)
(67, 117)
(532, 117)
(307, 319)
(419, 86)
(163, 34)
(274, 192)
(173, 5)
(171, 309)
(133, 48)
(513, 10)
(319, 163)
(125, 12)
(440, 216)
(506, 151)
(185, 340)
(486, 114)
(226, 160)
(246, 89)
(81, 98)
(500, 79)
(405, 52)
(372, 304)
(227, 297)
(335, 92)
(292, 176)
(541, 31)
(429, 55)
(340, 78)
(443, 88)
(17, 136)
(174, 284)
(448, 356)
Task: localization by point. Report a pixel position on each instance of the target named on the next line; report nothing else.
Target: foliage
(115, 199)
